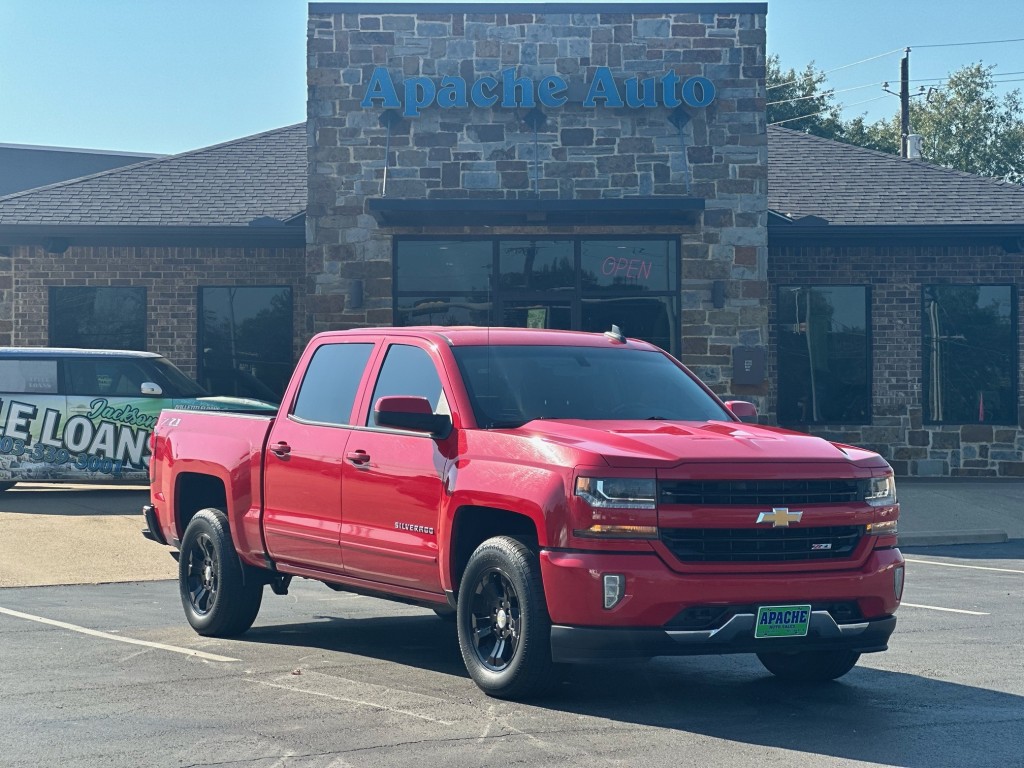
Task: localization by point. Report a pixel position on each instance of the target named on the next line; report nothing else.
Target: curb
(941, 538)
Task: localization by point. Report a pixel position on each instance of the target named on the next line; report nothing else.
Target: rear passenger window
(408, 371)
(106, 377)
(28, 377)
(329, 388)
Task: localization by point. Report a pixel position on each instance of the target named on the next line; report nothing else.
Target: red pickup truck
(564, 497)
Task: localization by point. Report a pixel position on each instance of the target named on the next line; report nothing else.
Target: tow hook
(280, 583)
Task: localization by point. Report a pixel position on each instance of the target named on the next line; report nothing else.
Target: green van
(85, 415)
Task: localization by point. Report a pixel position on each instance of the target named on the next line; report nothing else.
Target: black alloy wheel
(202, 580)
(496, 619)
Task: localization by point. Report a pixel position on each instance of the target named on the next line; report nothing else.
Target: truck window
(28, 377)
(329, 388)
(408, 371)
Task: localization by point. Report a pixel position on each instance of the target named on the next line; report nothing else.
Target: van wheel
(503, 625)
(219, 600)
(5, 486)
(809, 666)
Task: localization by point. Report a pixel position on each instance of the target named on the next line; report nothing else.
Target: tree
(799, 102)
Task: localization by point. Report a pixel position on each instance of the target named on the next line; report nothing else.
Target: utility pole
(904, 102)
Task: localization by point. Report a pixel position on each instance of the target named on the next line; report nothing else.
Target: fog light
(614, 589)
(897, 583)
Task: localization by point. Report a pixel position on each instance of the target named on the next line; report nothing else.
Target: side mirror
(413, 414)
(742, 410)
(150, 389)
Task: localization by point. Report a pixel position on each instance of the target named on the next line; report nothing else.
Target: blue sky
(174, 75)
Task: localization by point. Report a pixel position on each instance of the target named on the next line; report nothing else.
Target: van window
(107, 377)
(28, 377)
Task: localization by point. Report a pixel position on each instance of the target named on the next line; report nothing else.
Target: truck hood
(664, 444)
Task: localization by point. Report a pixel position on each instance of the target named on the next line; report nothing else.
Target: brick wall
(896, 275)
(474, 153)
(170, 276)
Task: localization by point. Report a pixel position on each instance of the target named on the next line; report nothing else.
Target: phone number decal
(47, 454)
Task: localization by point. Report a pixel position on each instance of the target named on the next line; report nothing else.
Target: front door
(393, 482)
(305, 454)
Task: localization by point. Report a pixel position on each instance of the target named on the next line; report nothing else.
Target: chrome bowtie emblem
(780, 517)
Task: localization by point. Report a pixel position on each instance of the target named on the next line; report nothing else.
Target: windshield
(511, 385)
(173, 382)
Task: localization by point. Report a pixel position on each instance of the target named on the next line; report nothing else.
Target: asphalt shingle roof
(851, 186)
(226, 185)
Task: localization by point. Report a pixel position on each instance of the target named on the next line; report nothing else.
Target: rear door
(393, 480)
(32, 416)
(305, 453)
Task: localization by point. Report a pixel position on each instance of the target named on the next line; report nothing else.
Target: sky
(175, 75)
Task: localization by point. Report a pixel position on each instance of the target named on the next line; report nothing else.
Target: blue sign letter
(452, 92)
(419, 93)
(549, 91)
(381, 87)
(698, 91)
(482, 98)
(603, 87)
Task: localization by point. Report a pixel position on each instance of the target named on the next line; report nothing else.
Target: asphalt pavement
(77, 534)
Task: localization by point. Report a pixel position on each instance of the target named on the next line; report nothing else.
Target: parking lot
(110, 674)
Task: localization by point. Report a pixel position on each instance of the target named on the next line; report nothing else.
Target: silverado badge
(780, 517)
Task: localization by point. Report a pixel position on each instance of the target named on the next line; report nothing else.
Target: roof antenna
(615, 335)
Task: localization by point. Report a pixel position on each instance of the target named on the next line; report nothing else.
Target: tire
(6, 486)
(503, 624)
(218, 599)
(809, 666)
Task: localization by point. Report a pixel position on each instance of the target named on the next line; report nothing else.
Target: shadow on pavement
(73, 500)
(870, 716)
(1008, 550)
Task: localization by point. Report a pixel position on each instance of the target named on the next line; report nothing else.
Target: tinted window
(331, 383)
(98, 318)
(824, 355)
(969, 354)
(108, 377)
(36, 377)
(407, 371)
(511, 385)
(628, 266)
(245, 340)
(459, 266)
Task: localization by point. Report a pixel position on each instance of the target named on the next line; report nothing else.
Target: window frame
(869, 354)
(497, 296)
(1014, 362)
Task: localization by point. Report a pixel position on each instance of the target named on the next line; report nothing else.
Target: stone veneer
(896, 275)
(475, 153)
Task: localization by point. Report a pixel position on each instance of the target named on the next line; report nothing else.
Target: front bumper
(583, 644)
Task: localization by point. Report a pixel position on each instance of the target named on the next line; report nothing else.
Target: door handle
(281, 449)
(359, 458)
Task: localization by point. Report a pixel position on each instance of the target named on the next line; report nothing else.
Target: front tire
(219, 599)
(503, 624)
(809, 666)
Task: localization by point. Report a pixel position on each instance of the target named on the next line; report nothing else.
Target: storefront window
(824, 355)
(245, 340)
(98, 318)
(568, 284)
(969, 354)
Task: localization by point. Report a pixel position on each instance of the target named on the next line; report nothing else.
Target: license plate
(782, 621)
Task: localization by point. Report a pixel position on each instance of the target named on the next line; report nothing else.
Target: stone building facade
(691, 174)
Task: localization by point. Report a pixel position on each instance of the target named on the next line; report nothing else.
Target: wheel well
(195, 492)
(474, 525)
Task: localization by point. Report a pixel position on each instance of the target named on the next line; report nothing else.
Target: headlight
(617, 493)
(881, 491)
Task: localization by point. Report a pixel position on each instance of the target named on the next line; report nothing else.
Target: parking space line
(118, 638)
(946, 610)
(959, 565)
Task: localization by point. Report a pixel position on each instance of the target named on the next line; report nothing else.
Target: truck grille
(761, 545)
(761, 493)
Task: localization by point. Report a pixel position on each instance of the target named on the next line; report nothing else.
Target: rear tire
(219, 599)
(809, 666)
(503, 624)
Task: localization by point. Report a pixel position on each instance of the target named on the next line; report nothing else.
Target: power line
(845, 66)
(828, 109)
(823, 94)
(977, 42)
